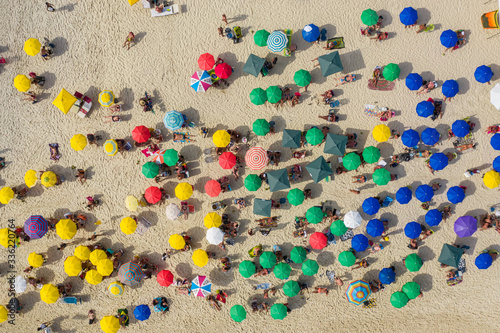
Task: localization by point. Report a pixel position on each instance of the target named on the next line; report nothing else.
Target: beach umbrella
(170, 157)
(450, 255)
(106, 98)
(411, 289)
(49, 293)
(491, 179)
(267, 259)
(128, 225)
(448, 38)
(262, 207)
(430, 136)
(261, 127)
(19, 285)
(131, 203)
(495, 96)
(319, 169)
(413, 81)
(425, 109)
(6, 195)
(403, 195)
(352, 219)
(413, 230)
(93, 277)
(413, 262)
(212, 220)
(359, 243)
(223, 70)
(273, 94)
(450, 88)
(212, 188)
(483, 261)
(295, 197)
(391, 72)
(335, 144)
(483, 74)
(110, 147)
(73, 266)
(381, 177)
(35, 259)
(351, 161)
(254, 64)
(302, 78)
(408, 16)
(460, 128)
(410, 138)
(278, 311)
(386, 276)
(465, 226)
(256, 158)
(172, 212)
(238, 313)
(227, 160)
(206, 61)
(291, 288)
(298, 254)
(183, 191)
(64, 101)
(200, 258)
(173, 120)
(150, 169)
(142, 312)
(105, 267)
(371, 154)
(7, 238)
(318, 240)
(30, 178)
(35, 226)
(201, 81)
(22, 83)
(369, 17)
(347, 258)
(78, 142)
(132, 2)
(116, 288)
(310, 267)
(424, 193)
(130, 274)
(110, 324)
(310, 33)
(82, 252)
(433, 217)
(66, 229)
(438, 161)
(277, 41)
(260, 38)
(176, 241)
(371, 206)
(455, 194)
(381, 133)
(358, 291)
(153, 194)
(32, 46)
(165, 278)
(258, 96)
(282, 271)
(48, 179)
(338, 228)
(201, 286)
(399, 299)
(495, 141)
(375, 228)
(246, 268)
(140, 134)
(314, 215)
(291, 138)
(252, 182)
(96, 256)
(221, 138)
(330, 63)
(4, 314)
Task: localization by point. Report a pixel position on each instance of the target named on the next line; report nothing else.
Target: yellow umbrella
(66, 229)
(82, 252)
(78, 142)
(128, 225)
(30, 178)
(221, 138)
(64, 101)
(96, 256)
(381, 133)
(212, 220)
(7, 235)
(35, 260)
(72, 266)
(491, 179)
(93, 277)
(48, 179)
(183, 191)
(116, 288)
(105, 267)
(131, 2)
(110, 324)
(49, 293)
(3, 314)
(22, 83)
(6, 194)
(32, 46)
(200, 258)
(106, 98)
(177, 241)
(131, 203)
(111, 147)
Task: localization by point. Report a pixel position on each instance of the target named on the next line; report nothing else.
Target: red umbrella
(227, 160)
(141, 134)
(212, 187)
(317, 240)
(206, 61)
(223, 70)
(153, 194)
(165, 278)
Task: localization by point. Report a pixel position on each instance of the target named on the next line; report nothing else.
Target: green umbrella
(314, 136)
(267, 259)
(150, 169)
(298, 254)
(260, 127)
(278, 311)
(411, 289)
(381, 177)
(319, 169)
(310, 267)
(369, 17)
(338, 228)
(347, 258)
(253, 65)
(413, 263)
(262, 207)
(258, 96)
(252, 182)
(371, 154)
(291, 138)
(238, 313)
(278, 180)
(247, 268)
(314, 215)
(302, 78)
(170, 157)
(335, 144)
(450, 255)
(351, 161)
(330, 63)
(273, 94)
(260, 37)
(295, 197)
(399, 299)
(282, 271)
(391, 72)
(291, 288)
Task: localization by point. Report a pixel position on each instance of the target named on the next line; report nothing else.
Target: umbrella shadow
(50, 79)
(220, 278)
(184, 270)
(158, 101)
(352, 61)
(469, 241)
(471, 187)
(192, 114)
(424, 280)
(316, 189)
(298, 40)
(56, 323)
(387, 18)
(326, 259)
(424, 16)
(197, 234)
(331, 30)
(495, 68)
(127, 98)
(406, 68)
(317, 77)
(426, 253)
(150, 216)
(28, 300)
(463, 85)
(45, 273)
(61, 45)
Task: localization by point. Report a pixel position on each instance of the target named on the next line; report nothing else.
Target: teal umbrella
(150, 169)
(291, 288)
(295, 197)
(298, 254)
(314, 215)
(371, 154)
(319, 169)
(351, 161)
(252, 182)
(253, 65)
(302, 78)
(330, 63)
(238, 313)
(274, 94)
(278, 311)
(170, 157)
(310, 267)
(282, 271)
(260, 37)
(450, 255)
(391, 72)
(338, 228)
(247, 268)
(262, 207)
(381, 177)
(261, 127)
(278, 180)
(335, 144)
(314, 136)
(267, 259)
(258, 96)
(369, 17)
(291, 138)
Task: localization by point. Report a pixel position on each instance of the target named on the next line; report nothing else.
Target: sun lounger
(169, 10)
(287, 52)
(143, 226)
(70, 300)
(85, 107)
(338, 43)
(237, 34)
(387, 201)
(124, 312)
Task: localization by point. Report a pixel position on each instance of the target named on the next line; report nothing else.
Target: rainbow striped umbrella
(36, 226)
(358, 291)
(130, 274)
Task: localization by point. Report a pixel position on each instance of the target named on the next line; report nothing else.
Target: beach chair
(143, 226)
(287, 52)
(429, 28)
(70, 300)
(322, 35)
(237, 34)
(338, 43)
(169, 10)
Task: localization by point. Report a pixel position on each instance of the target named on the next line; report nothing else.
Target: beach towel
(348, 235)
(338, 42)
(331, 276)
(461, 266)
(57, 156)
(124, 312)
(251, 252)
(169, 10)
(263, 286)
(147, 153)
(371, 303)
(454, 281)
(382, 85)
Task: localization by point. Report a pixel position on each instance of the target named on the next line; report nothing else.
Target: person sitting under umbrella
(427, 87)
(361, 264)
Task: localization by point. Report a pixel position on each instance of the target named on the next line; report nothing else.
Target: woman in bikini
(361, 264)
(493, 129)
(114, 119)
(427, 87)
(346, 79)
(423, 154)
(359, 179)
(381, 36)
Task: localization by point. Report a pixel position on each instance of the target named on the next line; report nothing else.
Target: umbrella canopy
(391, 72)
(465, 226)
(267, 259)
(413, 81)
(408, 16)
(223, 70)
(82, 252)
(201, 81)
(358, 291)
(347, 258)
(35, 259)
(425, 109)
(252, 182)
(6, 194)
(238, 313)
(330, 63)
(142, 312)
(495, 96)
(105, 267)
(153, 194)
(36, 226)
(221, 138)
(381, 133)
(258, 96)
(116, 288)
(183, 191)
(359, 243)
(381, 177)
(430, 136)
(246, 268)
(338, 228)
(206, 61)
(93, 277)
(106, 98)
(78, 142)
(150, 169)
(254, 64)
(22, 83)
(387, 276)
(201, 286)
(450, 88)
(141, 134)
(212, 220)
(318, 240)
(424, 193)
(399, 299)
(375, 228)
(298, 254)
(455, 194)
(282, 271)
(291, 138)
(413, 230)
(277, 41)
(314, 215)
(371, 154)
(371, 206)
(404, 195)
(261, 36)
(352, 219)
(410, 138)
(200, 258)
(66, 229)
(165, 278)
(4, 314)
(49, 293)
(262, 207)
(448, 38)
(172, 212)
(438, 161)
(96, 256)
(483, 74)
(261, 127)
(310, 267)
(351, 161)
(411, 289)
(110, 324)
(170, 157)
(495, 141)
(335, 144)
(483, 261)
(291, 288)
(177, 241)
(295, 197)
(128, 225)
(433, 217)
(310, 33)
(48, 179)
(64, 101)
(278, 311)
(302, 78)
(460, 128)
(32, 46)
(110, 147)
(73, 266)
(491, 179)
(450, 255)
(273, 94)
(319, 169)
(20, 284)
(369, 17)
(30, 178)
(130, 274)
(212, 188)
(173, 120)
(227, 160)
(6, 237)
(413, 262)
(256, 158)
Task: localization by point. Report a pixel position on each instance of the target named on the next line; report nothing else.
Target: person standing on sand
(50, 7)
(221, 32)
(224, 19)
(129, 40)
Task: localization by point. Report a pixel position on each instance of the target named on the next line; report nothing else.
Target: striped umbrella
(116, 288)
(201, 81)
(130, 274)
(358, 291)
(256, 158)
(106, 98)
(35, 227)
(110, 147)
(201, 286)
(277, 41)
(173, 120)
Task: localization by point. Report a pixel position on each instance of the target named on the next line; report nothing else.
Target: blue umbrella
(277, 41)
(310, 33)
(496, 164)
(483, 74)
(433, 217)
(450, 88)
(173, 120)
(359, 243)
(142, 312)
(375, 228)
(425, 109)
(483, 261)
(430, 136)
(448, 38)
(404, 195)
(371, 206)
(424, 193)
(408, 16)
(414, 81)
(495, 141)
(438, 161)
(386, 276)
(460, 128)
(455, 194)
(413, 230)
(410, 138)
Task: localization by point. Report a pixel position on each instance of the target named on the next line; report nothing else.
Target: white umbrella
(19, 284)
(495, 96)
(352, 219)
(215, 236)
(172, 211)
